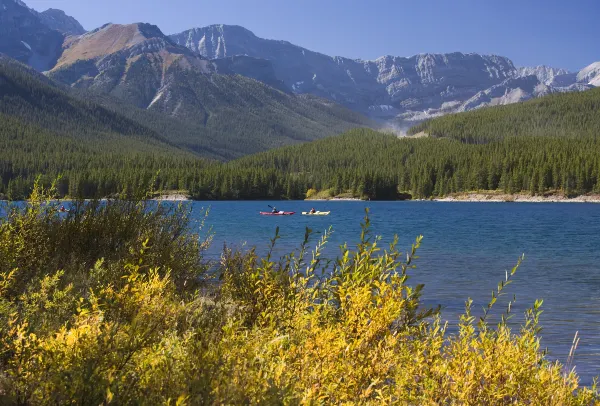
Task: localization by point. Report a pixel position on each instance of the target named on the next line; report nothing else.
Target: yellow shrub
(268, 333)
(311, 193)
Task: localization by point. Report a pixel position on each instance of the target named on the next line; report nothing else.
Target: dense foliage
(83, 323)
(91, 166)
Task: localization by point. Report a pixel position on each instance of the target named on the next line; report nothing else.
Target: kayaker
(62, 209)
(275, 210)
(313, 211)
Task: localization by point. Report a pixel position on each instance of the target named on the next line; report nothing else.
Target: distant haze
(533, 32)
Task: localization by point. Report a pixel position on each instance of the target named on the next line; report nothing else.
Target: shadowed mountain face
(24, 37)
(394, 88)
(255, 68)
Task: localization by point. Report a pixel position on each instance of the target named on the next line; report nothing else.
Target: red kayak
(280, 213)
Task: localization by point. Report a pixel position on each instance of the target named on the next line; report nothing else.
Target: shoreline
(516, 198)
(334, 199)
(173, 197)
(457, 198)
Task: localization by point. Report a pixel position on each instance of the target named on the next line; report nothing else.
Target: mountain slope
(45, 131)
(31, 97)
(590, 74)
(139, 65)
(547, 145)
(545, 74)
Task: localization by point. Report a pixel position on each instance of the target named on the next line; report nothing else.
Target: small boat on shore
(279, 213)
(317, 213)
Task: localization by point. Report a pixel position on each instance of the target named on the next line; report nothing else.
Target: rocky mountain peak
(590, 74)
(112, 38)
(221, 41)
(58, 20)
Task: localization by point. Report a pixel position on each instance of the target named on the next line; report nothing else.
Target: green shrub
(37, 239)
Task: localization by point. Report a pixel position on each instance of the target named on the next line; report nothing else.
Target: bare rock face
(138, 64)
(141, 65)
(414, 82)
(399, 88)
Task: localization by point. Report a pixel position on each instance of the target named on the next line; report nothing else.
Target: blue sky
(531, 32)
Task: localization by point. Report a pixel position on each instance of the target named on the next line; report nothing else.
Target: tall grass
(109, 311)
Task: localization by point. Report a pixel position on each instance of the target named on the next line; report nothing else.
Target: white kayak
(318, 213)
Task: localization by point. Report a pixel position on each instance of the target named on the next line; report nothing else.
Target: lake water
(466, 249)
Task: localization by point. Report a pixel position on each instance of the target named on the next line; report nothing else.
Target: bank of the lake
(518, 197)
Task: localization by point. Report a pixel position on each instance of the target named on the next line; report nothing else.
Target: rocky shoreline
(518, 198)
(172, 197)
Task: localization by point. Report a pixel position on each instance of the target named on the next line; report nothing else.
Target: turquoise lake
(466, 249)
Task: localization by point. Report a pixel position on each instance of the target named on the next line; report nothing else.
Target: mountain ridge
(398, 89)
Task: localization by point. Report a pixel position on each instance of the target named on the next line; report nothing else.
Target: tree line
(361, 162)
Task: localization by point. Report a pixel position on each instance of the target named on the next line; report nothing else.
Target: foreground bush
(38, 239)
(300, 330)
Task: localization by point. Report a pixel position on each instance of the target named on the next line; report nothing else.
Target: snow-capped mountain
(416, 82)
(400, 88)
(590, 74)
(388, 88)
(515, 90)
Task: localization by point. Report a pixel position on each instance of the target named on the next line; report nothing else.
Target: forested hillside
(559, 115)
(379, 166)
(44, 131)
(548, 145)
